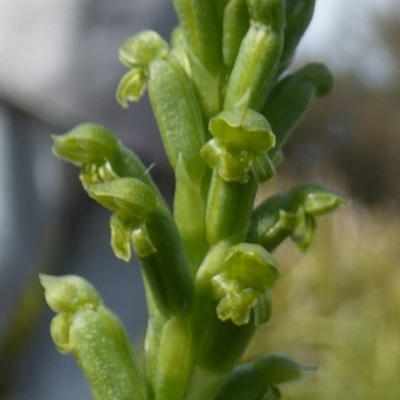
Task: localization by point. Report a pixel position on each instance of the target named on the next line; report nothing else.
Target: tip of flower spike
(68, 293)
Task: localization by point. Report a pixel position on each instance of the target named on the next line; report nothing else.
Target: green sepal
(236, 22)
(140, 50)
(86, 143)
(66, 294)
(316, 198)
(269, 12)
(291, 97)
(298, 16)
(248, 271)
(125, 194)
(131, 86)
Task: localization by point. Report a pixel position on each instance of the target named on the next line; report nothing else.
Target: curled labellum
(248, 271)
(131, 86)
(121, 230)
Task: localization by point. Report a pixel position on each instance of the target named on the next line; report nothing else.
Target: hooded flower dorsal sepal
(248, 272)
(241, 138)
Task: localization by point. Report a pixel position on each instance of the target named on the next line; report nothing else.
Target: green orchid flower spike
(225, 108)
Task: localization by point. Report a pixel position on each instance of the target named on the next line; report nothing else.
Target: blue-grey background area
(59, 67)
